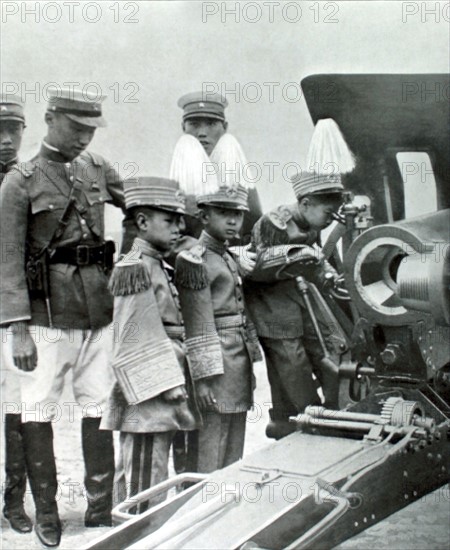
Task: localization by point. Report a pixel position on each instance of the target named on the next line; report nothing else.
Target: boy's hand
(308, 254)
(205, 396)
(175, 394)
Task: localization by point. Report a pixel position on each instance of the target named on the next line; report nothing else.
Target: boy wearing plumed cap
(286, 241)
(219, 337)
(150, 400)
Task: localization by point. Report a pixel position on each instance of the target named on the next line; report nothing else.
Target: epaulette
(190, 269)
(130, 276)
(271, 230)
(25, 168)
(282, 215)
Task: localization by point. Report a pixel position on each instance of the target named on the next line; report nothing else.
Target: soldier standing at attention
(219, 338)
(12, 124)
(56, 302)
(283, 240)
(150, 401)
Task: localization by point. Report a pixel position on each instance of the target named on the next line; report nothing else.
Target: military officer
(12, 124)
(204, 118)
(58, 308)
(284, 240)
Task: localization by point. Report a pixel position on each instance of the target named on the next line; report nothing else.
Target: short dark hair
(144, 209)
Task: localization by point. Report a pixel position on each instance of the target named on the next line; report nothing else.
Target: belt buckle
(82, 256)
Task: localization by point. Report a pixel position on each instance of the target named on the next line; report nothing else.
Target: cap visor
(163, 207)
(92, 121)
(227, 205)
(12, 117)
(202, 114)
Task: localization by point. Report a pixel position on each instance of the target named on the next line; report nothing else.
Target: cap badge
(4, 108)
(201, 104)
(231, 192)
(179, 196)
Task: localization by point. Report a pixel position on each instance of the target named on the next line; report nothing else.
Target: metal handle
(120, 513)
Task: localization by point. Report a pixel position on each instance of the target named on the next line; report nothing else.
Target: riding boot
(98, 452)
(41, 469)
(16, 476)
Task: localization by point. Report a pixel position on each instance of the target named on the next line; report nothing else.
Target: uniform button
(83, 222)
(67, 165)
(85, 236)
(51, 206)
(71, 178)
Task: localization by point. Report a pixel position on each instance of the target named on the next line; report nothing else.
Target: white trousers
(86, 352)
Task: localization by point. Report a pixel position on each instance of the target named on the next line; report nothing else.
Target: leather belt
(83, 255)
(224, 321)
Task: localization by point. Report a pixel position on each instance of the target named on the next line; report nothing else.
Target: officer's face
(70, 137)
(10, 139)
(208, 131)
(318, 214)
(222, 223)
(161, 229)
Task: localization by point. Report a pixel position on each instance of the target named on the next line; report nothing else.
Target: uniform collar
(212, 243)
(6, 166)
(52, 153)
(147, 249)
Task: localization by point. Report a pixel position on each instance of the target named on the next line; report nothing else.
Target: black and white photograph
(225, 274)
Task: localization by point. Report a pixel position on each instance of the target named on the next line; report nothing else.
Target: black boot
(179, 452)
(16, 477)
(279, 425)
(98, 452)
(41, 468)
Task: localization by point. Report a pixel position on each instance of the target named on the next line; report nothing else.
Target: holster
(37, 272)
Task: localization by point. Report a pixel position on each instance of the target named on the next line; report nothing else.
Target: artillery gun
(342, 471)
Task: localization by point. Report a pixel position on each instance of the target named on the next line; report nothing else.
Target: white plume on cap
(328, 152)
(192, 168)
(232, 163)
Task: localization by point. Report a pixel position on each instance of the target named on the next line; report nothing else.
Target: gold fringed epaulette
(271, 231)
(129, 277)
(190, 269)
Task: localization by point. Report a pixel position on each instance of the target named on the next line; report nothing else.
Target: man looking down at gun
(58, 307)
(284, 240)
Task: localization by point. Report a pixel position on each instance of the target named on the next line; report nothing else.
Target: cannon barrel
(397, 272)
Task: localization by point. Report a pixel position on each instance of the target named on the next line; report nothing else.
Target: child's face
(319, 214)
(159, 228)
(222, 223)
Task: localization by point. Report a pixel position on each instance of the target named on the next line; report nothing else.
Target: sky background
(175, 47)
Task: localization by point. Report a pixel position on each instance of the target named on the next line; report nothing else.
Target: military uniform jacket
(220, 340)
(149, 336)
(271, 292)
(33, 197)
(5, 167)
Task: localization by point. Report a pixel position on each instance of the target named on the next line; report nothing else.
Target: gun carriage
(342, 471)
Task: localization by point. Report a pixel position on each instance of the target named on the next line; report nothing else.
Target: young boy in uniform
(150, 402)
(284, 239)
(221, 345)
